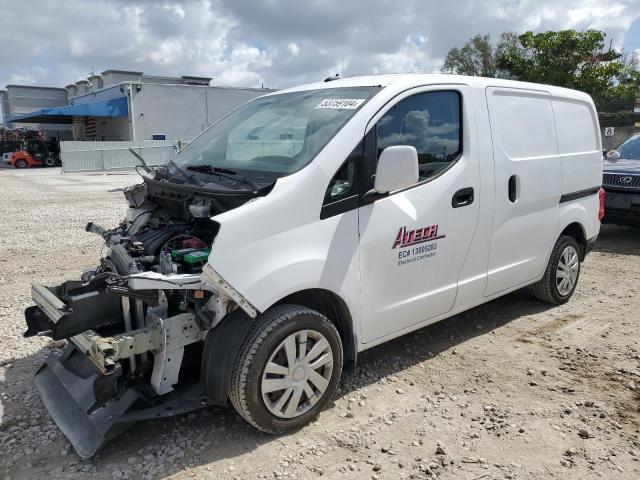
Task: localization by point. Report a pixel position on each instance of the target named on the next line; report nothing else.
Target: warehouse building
(17, 100)
(120, 105)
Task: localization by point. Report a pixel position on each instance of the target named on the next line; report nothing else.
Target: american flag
(90, 127)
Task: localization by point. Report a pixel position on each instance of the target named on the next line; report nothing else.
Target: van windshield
(279, 133)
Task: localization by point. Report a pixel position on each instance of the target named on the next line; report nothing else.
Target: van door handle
(513, 189)
(462, 197)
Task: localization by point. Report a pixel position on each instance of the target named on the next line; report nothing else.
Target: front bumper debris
(91, 408)
(104, 382)
(165, 338)
(71, 393)
(71, 308)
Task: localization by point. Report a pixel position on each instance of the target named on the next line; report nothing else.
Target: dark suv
(621, 182)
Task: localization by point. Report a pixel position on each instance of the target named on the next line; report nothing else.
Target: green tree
(628, 87)
(567, 58)
(477, 57)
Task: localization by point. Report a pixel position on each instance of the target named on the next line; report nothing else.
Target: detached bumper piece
(91, 408)
(71, 308)
(71, 391)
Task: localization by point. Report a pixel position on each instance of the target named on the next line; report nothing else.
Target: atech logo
(406, 238)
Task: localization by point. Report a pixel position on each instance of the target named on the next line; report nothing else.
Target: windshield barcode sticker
(340, 103)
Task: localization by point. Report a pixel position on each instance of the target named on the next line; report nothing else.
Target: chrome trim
(621, 180)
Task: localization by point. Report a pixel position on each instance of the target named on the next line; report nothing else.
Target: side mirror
(397, 169)
(612, 155)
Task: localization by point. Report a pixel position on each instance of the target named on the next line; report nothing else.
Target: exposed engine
(158, 239)
(150, 239)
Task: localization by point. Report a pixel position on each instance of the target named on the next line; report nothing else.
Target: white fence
(113, 156)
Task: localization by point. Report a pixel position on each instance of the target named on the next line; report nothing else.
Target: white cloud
(242, 67)
(22, 78)
(30, 76)
(168, 52)
(600, 15)
(293, 48)
(77, 46)
(281, 43)
(178, 9)
(410, 58)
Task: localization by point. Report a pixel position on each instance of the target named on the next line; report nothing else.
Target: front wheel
(287, 369)
(50, 162)
(562, 273)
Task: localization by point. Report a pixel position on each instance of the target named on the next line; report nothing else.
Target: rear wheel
(21, 163)
(562, 273)
(287, 369)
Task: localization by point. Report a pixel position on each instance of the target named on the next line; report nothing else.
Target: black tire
(49, 162)
(270, 331)
(546, 289)
(21, 163)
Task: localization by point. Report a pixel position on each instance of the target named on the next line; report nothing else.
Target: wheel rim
(567, 271)
(297, 374)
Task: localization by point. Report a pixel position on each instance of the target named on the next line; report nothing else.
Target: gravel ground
(512, 389)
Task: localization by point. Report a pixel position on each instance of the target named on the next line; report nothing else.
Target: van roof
(409, 80)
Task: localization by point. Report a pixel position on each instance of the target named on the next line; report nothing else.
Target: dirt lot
(513, 389)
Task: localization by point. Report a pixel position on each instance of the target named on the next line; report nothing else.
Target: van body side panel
(271, 263)
(528, 176)
(580, 149)
(277, 245)
(579, 144)
(584, 212)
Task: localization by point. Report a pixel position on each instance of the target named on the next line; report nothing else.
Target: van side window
(428, 121)
(343, 191)
(342, 185)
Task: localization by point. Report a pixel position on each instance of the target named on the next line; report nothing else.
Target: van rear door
(528, 175)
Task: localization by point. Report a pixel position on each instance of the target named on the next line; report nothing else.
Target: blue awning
(114, 107)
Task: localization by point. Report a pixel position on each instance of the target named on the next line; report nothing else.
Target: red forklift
(34, 153)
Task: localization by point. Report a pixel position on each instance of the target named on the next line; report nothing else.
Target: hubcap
(567, 271)
(297, 374)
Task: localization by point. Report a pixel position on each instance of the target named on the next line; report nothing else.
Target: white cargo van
(312, 224)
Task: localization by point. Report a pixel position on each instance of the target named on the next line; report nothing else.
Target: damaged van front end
(213, 245)
(136, 323)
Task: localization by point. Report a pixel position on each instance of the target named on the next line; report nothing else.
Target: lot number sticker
(340, 103)
(608, 131)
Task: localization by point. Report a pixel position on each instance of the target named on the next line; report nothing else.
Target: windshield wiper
(224, 173)
(190, 178)
(143, 164)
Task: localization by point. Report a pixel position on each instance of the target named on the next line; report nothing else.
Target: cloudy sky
(278, 42)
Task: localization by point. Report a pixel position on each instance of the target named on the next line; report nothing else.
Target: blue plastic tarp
(114, 107)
